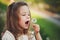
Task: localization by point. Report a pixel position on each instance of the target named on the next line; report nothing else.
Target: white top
(9, 36)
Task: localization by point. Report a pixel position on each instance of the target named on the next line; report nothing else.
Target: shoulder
(8, 36)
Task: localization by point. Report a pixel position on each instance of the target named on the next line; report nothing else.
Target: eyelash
(24, 15)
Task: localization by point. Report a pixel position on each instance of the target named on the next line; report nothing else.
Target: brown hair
(12, 18)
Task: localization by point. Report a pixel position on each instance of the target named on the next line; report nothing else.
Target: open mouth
(27, 22)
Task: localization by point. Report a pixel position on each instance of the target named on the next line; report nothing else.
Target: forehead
(24, 9)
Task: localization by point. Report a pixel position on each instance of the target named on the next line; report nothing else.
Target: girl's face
(24, 17)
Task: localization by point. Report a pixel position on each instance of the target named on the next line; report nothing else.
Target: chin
(26, 27)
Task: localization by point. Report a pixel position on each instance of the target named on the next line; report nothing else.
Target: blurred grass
(48, 28)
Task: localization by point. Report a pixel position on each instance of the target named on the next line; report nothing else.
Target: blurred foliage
(1, 25)
(3, 9)
(54, 4)
(6, 2)
(49, 29)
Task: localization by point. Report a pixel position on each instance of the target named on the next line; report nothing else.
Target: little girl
(18, 23)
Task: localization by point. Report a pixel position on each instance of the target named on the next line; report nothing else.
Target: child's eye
(23, 15)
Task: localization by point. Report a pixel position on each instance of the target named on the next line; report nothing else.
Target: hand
(36, 28)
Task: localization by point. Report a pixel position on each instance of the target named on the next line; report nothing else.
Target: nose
(28, 17)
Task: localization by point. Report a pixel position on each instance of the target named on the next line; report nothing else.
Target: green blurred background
(46, 12)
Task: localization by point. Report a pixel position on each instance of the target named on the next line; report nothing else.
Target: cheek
(22, 18)
(21, 21)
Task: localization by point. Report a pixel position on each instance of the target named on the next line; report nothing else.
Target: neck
(25, 31)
